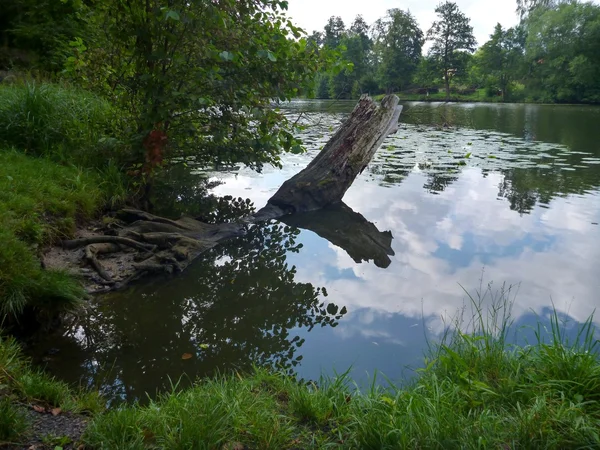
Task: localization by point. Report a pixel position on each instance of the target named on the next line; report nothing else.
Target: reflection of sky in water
(508, 195)
(441, 242)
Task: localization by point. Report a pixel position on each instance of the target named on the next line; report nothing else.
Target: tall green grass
(40, 202)
(476, 391)
(60, 164)
(63, 122)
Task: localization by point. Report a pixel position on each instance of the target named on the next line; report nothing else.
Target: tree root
(90, 255)
(108, 240)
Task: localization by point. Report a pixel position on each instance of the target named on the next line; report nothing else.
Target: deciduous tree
(451, 34)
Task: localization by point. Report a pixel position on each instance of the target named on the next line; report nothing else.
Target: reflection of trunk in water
(349, 230)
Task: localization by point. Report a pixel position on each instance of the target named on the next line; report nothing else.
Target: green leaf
(226, 56)
(468, 155)
(271, 56)
(173, 15)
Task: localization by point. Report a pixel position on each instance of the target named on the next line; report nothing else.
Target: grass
(476, 391)
(21, 385)
(13, 422)
(40, 202)
(64, 122)
(59, 166)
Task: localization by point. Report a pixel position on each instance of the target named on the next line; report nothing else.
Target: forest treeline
(552, 55)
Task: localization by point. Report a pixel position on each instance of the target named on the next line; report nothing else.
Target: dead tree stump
(327, 178)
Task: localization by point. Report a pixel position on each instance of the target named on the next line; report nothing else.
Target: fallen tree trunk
(327, 178)
(169, 246)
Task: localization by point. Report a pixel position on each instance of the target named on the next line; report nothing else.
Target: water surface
(471, 194)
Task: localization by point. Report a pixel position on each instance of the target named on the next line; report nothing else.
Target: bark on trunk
(327, 178)
(169, 246)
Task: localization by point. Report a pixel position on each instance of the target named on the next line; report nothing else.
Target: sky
(484, 14)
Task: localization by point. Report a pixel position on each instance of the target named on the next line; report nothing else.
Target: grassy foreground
(475, 392)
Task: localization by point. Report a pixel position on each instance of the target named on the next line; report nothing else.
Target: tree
(427, 74)
(334, 31)
(451, 35)
(563, 53)
(36, 33)
(197, 78)
(500, 58)
(355, 48)
(398, 46)
(524, 7)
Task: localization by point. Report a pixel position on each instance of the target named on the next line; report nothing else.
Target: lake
(485, 204)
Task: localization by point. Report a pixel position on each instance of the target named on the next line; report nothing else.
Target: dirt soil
(118, 265)
(49, 431)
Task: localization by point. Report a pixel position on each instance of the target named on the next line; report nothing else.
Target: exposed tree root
(71, 244)
(90, 255)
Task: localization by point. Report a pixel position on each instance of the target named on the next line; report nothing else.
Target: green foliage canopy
(451, 36)
(201, 74)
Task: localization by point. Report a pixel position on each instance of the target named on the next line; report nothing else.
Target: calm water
(510, 194)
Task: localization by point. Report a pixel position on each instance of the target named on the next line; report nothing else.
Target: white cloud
(313, 14)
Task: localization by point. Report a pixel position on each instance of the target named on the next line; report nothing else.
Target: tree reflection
(233, 308)
(524, 188)
(438, 182)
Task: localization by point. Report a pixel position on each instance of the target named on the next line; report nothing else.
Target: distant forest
(552, 56)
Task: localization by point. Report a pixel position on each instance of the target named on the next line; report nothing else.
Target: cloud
(313, 14)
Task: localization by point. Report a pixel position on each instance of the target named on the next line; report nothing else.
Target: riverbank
(53, 178)
(478, 96)
(475, 391)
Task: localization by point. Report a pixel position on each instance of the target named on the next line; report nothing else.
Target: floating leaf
(204, 346)
(186, 356)
(468, 155)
